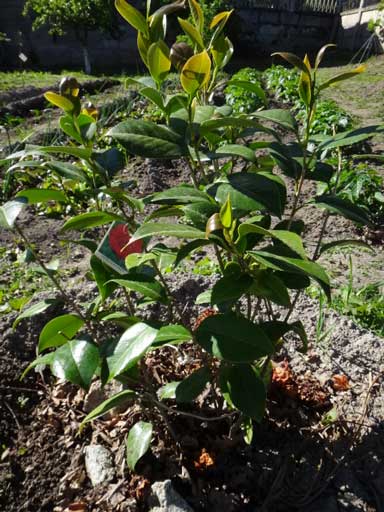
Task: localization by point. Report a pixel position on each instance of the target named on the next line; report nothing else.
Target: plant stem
(219, 258)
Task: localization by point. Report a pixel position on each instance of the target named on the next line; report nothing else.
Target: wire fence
(321, 6)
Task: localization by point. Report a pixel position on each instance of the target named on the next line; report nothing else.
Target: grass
(10, 80)
(362, 96)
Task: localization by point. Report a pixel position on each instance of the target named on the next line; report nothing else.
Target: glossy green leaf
(149, 140)
(159, 62)
(245, 389)
(196, 73)
(343, 207)
(199, 213)
(67, 125)
(188, 248)
(348, 138)
(59, 330)
(133, 16)
(153, 95)
(229, 288)
(76, 362)
(268, 285)
(45, 360)
(237, 150)
(191, 387)
(294, 60)
(233, 338)
(138, 442)
(280, 117)
(59, 101)
(34, 310)
(103, 276)
(182, 194)
(252, 192)
(293, 265)
(10, 211)
(172, 334)
(161, 229)
(90, 220)
(150, 288)
(343, 76)
(132, 345)
(345, 243)
(168, 391)
(197, 14)
(122, 398)
(192, 32)
(41, 195)
(289, 238)
(276, 329)
(66, 170)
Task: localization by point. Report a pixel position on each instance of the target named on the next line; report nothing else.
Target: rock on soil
(167, 499)
(99, 464)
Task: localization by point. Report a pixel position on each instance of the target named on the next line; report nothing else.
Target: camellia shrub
(234, 205)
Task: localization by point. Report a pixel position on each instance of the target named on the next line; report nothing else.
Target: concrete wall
(353, 32)
(278, 30)
(45, 52)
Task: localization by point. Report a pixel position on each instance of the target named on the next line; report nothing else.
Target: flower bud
(180, 53)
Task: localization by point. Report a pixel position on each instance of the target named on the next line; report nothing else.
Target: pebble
(99, 464)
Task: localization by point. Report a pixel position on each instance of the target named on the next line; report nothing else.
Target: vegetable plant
(234, 206)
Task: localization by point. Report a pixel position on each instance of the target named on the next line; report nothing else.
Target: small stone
(99, 464)
(164, 498)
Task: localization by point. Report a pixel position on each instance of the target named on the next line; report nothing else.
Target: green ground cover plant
(329, 117)
(233, 205)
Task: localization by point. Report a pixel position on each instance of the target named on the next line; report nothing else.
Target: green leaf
(168, 391)
(293, 265)
(41, 195)
(204, 297)
(237, 150)
(172, 334)
(45, 360)
(232, 338)
(161, 229)
(66, 170)
(196, 73)
(226, 214)
(83, 153)
(59, 330)
(348, 138)
(182, 194)
(117, 400)
(288, 238)
(276, 329)
(229, 288)
(269, 285)
(294, 60)
(103, 275)
(343, 207)
(138, 442)
(68, 127)
(251, 192)
(59, 101)
(149, 140)
(191, 387)
(188, 248)
(192, 32)
(153, 95)
(34, 310)
(76, 361)
(199, 213)
(197, 15)
(344, 243)
(90, 220)
(132, 345)
(343, 76)
(278, 116)
(133, 16)
(159, 62)
(245, 389)
(150, 288)
(10, 211)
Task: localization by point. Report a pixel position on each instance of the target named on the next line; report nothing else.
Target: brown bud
(180, 53)
(69, 86)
